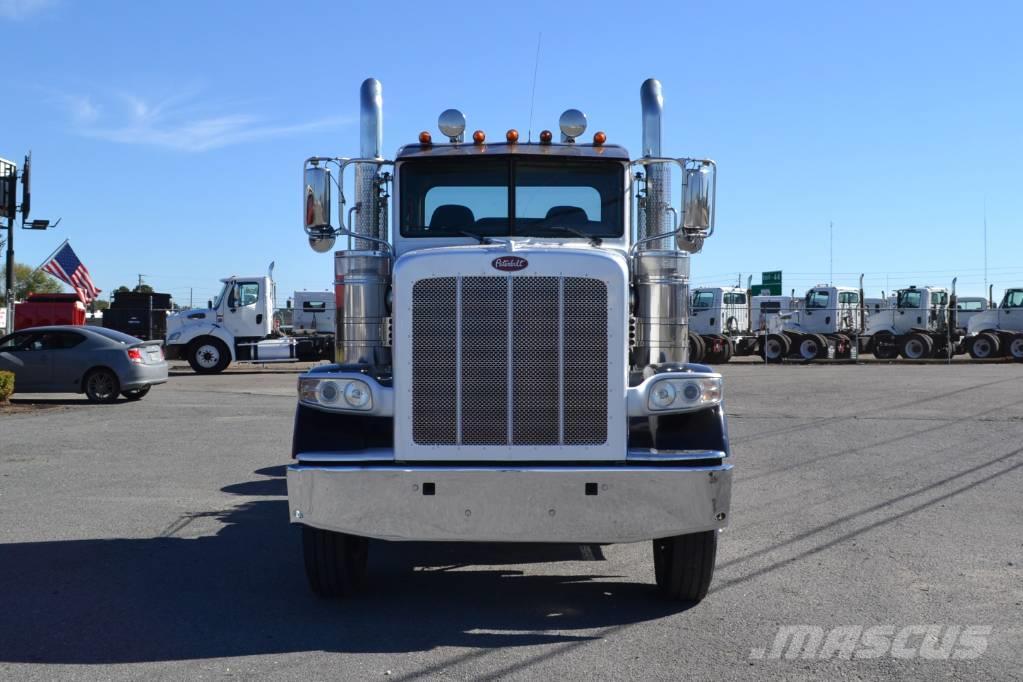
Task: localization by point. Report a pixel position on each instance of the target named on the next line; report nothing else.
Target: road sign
(766, 289)
(8, 188)
(773, 277)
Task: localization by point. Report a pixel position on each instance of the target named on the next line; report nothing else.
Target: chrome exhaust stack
(362, 276)
(660, 272)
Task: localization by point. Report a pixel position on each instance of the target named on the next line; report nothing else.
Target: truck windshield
(817, 300)
(1013, 299)
(507, 196)
(220, 296)
(909, 298)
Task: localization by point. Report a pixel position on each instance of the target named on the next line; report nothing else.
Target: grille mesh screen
(509, 361)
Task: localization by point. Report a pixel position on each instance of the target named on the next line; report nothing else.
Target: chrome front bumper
(495, 503)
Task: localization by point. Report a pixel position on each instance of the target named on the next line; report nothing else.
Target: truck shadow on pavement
(242, 592)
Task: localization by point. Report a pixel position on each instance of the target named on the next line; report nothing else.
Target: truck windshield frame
(511, 196)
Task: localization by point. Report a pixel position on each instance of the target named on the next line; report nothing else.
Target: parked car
(101, 363)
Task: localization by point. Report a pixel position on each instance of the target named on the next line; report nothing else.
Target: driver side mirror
(698, 198)
(209, 304)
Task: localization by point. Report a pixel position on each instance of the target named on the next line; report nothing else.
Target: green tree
(122, 289)
(143, 289)
(28, 282)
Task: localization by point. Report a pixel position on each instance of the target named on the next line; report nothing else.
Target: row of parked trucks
(840, 322)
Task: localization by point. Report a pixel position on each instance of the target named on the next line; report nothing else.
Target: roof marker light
(425, 138)
(599, 137)
(479, 137)
(546, 136)
(512, 135)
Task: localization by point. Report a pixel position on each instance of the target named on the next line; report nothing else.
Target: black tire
(729, 351)
(335, 563)
(984, 346)
(810, 347)
(824, 345)
(684, 565)
(775, 347)
(883, 346)
(917, 347)
(208, 355)
(1015, 349)
(136, 393)
(697, 349)
(101, 386)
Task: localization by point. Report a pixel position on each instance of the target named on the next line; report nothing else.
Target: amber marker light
(599, 137)
(546, 136)
(425, 137)
(479, 136)
(512, 135)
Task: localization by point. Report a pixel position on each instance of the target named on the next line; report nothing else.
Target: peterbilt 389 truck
(511, 351)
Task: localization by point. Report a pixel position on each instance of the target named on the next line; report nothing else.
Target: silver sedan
(101, 363)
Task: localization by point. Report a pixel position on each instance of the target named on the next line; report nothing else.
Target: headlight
(684, 393)
(337, 394)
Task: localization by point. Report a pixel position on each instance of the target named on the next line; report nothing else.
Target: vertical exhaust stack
(371, 141)
(362, 276)
(654, 219)
(661, 273)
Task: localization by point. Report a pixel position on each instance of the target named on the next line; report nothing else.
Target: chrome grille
(518, 360)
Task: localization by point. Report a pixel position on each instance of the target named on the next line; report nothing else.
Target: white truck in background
(728, 321)
(967, 307)
(922, 324)
(999, 331)
(830, 317)
(241, 325)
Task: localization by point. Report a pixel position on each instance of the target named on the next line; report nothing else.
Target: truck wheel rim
(1016, 349)
(808, 349)
(207, 356)
(773, 349)
(914, 349)
(982, 348)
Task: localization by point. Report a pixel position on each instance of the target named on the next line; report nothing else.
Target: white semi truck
(830, 317)
(512, 351)
(999, 331)
(921, 324)
(240, 325)
(719, 324)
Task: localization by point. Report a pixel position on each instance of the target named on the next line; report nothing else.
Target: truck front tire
(684, 565)
(208, 355)
(335, 563)
(984, 346)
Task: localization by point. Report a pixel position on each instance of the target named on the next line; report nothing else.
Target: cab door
(22, 353)
(1010, 313)
(243, 312)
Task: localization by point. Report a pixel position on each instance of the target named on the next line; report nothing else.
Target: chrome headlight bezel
(691, 392)
(333, 393)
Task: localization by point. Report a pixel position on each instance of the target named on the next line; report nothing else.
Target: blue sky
(169, 136)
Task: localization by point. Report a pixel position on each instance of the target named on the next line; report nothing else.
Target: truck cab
(998, 331)
(719, 310)
(512, 360)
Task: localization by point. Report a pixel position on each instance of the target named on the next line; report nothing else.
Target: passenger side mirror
(317, 209)
(209, 303)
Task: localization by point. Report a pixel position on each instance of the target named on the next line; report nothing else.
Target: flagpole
(49, 258)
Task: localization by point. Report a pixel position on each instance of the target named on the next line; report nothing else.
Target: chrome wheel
(207, 356)
(809, 349)
(773, 349)
(914, 349)
(1016, 347)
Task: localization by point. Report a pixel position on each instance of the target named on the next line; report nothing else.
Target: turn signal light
(479, 136)
(546, 136)
(425, 137)
(599, 137)
(512, 135)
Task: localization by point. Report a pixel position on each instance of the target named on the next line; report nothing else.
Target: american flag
(64, 265)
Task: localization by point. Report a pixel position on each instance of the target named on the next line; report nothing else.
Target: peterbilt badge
(510, 263)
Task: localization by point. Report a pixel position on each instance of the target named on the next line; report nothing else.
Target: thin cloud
(22, 9)
(179, 123)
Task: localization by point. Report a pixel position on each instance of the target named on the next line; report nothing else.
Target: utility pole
(831, 253)
(8, 207)
(985, 243)
(140, 279)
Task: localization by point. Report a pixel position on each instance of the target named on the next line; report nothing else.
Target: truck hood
(177, 320)
(987, 319)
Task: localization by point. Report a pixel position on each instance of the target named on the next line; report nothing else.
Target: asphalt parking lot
(151, 539)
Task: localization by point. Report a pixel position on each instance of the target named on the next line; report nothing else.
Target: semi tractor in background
(827, 323)
(921, 324)
(241, 325)
(729, 321)
(998, 331)
(512, 350)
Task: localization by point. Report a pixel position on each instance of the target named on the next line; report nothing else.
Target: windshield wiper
(595, 241)
(478, 237)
